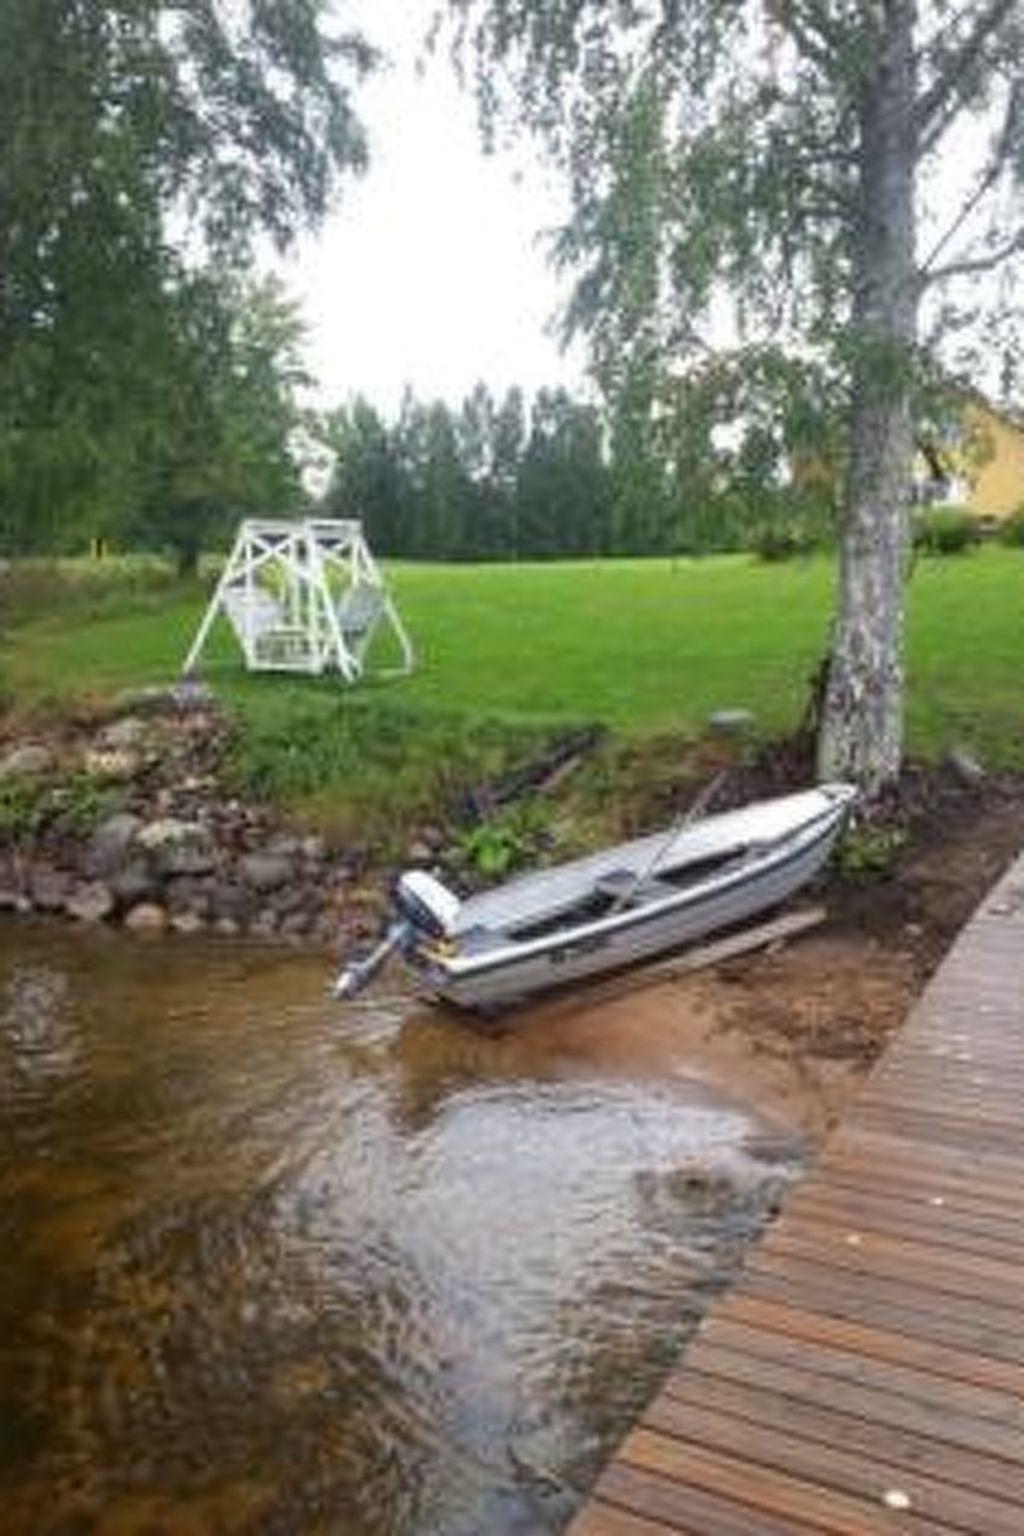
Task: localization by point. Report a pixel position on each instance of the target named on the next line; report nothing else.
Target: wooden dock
(866, 1374)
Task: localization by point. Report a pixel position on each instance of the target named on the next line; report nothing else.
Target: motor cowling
(427, 904)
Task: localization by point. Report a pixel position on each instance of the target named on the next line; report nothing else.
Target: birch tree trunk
(862, 729)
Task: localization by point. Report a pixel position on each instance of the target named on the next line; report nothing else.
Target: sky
(431, 271)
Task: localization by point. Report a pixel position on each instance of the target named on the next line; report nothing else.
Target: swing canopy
(303, 596)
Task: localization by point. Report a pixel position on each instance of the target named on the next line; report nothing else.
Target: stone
(170, 832)
(134, 883)
(116, 834)
(186, 695)
(192, 693)
(179, 847)
(49, 889)
(265, 871)
(146, 917)
(190, 859)
(283, 846)
(314, 850)
(26, 761)
(227, 927)
(188, 893)
(965, 765)
(106, 763)
(14, 901)
(731, 722)
(127, 734)
(296, 925)
(230, 901)
(90, 903)
(187, 922)
(111, 843)
(289, 899)
(264, 924)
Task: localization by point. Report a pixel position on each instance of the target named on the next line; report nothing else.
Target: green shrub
(493, 848)
(946, 530)
(22, 807)
(867, 852)
(89, 589)
(1011, 532)
(783, 542)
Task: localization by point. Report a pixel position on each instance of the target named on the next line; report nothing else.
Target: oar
(689, 815)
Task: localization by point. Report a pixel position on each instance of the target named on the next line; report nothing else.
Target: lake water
(269, 1266)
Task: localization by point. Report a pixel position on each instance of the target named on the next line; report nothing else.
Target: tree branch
(806, 45)
(973, 264)
(946, 117)
(989, 176)
(946, 82)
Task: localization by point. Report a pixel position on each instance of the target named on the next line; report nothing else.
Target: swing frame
(303, 596)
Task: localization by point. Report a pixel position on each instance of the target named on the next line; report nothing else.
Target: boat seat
(618, 883)
(478, 940)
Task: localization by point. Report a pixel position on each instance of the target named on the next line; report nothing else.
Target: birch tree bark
(862, 728)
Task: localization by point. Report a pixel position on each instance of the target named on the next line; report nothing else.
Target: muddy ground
(795, 1029)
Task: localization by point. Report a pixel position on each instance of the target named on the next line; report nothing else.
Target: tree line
(501, 478)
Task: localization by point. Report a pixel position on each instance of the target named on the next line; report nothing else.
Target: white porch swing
(303, 597)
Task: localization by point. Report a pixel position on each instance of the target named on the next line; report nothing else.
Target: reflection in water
(269, 1268)
(38, 1034)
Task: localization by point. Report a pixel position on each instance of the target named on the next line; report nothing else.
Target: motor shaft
(359, 973)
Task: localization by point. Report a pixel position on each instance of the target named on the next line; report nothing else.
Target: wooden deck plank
(933, 1188)
(942, 1176)
(601, 1519)
(860, 1304)
(836, 1465)
(856, 1248)
(801, 1323)
(844, 1367)
(945, 1218)
(769, 1489)
(685, 1509)
(888, 1154)
(851, 1420)
(866, 1373)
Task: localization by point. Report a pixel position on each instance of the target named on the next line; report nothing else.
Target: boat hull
(588, 950)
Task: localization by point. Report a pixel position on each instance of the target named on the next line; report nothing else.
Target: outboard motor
(427, 904)
(426, 909)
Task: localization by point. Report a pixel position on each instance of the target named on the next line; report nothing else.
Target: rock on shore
(125, 821)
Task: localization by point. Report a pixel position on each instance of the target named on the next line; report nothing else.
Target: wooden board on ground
(778, 931)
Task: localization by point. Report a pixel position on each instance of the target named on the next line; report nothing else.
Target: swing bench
(303, 597)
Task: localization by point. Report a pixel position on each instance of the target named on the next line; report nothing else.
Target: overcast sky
(430, 272)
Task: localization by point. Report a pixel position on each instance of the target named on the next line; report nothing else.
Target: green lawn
(646, 646)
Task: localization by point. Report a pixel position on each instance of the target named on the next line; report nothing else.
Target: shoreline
(127, 823)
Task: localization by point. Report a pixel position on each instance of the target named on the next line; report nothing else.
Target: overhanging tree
(138, 138)
(226, 414)
(781, 152)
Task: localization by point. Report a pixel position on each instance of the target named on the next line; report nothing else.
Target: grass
(508, 653)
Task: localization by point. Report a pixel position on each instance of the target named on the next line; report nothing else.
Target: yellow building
(975, 460)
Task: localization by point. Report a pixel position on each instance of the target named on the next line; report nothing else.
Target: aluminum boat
(607, 910)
